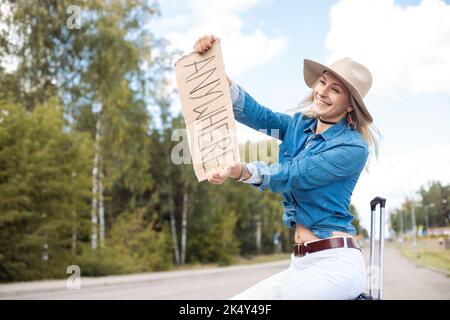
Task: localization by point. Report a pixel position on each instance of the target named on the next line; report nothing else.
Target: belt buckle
(302, 249)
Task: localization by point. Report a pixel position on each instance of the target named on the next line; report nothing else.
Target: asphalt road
(403, 280)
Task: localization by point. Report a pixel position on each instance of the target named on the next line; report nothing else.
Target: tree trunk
(45, 246)
(184, 225)
(94, 219)
(258, 234)
(74, 174)
(101, 208)
(173, 226)
(74, 233)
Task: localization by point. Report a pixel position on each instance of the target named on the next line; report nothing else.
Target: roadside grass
(436, 258)
(427, 253)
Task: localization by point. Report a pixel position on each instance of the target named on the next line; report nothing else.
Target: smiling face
(331, 98)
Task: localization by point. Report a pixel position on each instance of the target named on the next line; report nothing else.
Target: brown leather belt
(301, 249)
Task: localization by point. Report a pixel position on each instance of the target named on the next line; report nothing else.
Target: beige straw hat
(354, 75)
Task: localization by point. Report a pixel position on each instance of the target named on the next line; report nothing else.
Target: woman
(324, 148)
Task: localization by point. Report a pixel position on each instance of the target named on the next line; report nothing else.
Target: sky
(405, 44)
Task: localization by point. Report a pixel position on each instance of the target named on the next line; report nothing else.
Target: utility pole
(413, 212)
(402, 226)
(444, 202)
(414, 227)
(431, 205)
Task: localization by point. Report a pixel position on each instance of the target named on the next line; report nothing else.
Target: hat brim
(312, 71)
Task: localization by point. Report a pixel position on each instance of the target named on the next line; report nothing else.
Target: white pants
(332, 274)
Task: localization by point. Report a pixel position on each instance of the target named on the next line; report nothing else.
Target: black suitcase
(373, 273)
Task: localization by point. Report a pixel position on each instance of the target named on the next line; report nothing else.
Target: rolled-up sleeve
(234, 92)
(313, 171)
(252, 114)
(255, 177)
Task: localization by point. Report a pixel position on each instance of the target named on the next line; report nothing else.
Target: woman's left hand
(219, 175)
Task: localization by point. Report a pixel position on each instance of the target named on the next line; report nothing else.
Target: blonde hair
(368, 131)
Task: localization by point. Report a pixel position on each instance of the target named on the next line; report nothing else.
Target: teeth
(322, 102)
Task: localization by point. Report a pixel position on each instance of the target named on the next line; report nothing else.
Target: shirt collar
(332, 131)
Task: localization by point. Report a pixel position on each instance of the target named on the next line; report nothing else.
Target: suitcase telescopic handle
(373, 204)
(377, 200)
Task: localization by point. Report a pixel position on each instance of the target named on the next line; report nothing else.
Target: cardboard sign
(208, 112)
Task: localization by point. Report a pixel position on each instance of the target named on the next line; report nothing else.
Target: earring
(351, 123)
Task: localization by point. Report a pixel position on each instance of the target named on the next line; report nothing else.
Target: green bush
(137, 241)
(103, 262)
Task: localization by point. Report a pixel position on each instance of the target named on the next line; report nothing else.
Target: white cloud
(406, 48)
(205, 7)
(241, 50)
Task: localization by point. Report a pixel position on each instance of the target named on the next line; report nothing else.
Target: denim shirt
(316, 174)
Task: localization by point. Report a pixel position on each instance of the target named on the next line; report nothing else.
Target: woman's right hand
(203, 44)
